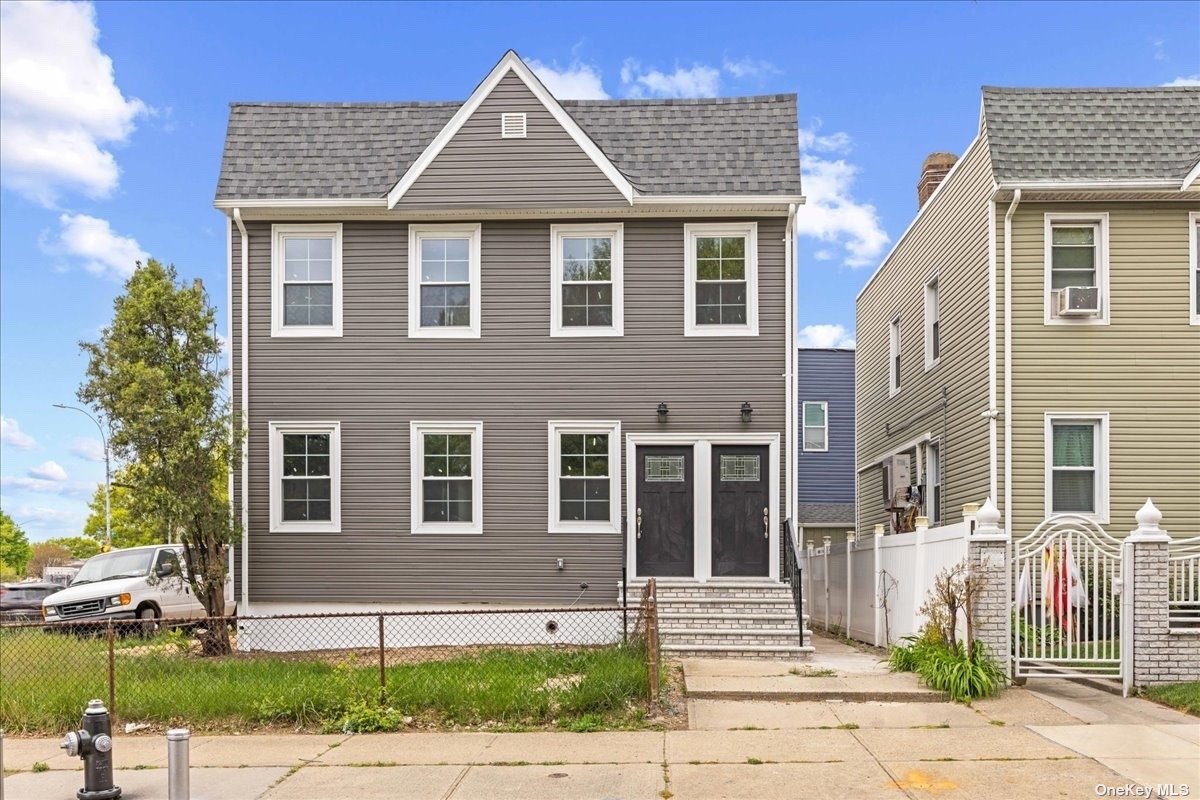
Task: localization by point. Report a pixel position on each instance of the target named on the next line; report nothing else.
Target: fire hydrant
(93, 743)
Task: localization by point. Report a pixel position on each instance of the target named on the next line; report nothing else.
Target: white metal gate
(1067, 586)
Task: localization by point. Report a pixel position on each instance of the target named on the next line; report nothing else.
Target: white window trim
(894, 351)
(557, 234)
(934, 510)
(415, 234)
(278, 234)
(1100, 420)
(276, 432)
(933, 292)
(417, 430)
(613, 431)
(690, 233)
(1100, 219)
(1193, 253)
(805, 426)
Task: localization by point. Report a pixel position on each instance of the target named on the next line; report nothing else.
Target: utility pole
(107, 474)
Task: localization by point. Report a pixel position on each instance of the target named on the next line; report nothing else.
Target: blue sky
(113, 117)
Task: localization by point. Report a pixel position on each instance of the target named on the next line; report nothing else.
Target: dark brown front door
(741, 510)
(664, 514)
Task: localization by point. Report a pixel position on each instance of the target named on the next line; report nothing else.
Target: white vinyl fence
(872, 587)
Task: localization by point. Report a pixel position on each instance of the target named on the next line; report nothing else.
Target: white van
(138, 583)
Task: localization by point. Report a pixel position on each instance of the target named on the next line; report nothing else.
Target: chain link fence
(353, 672)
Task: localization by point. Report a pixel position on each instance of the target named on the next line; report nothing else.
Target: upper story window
(816, 426)
(933, 325)
(305, 474)
(585, 477)
(1076, 464)
(587, 282)
(894, 357)
(722, 279)
(1194, 221)
(443, 281)
(447, 477)
(1076, 269)
(306, 280)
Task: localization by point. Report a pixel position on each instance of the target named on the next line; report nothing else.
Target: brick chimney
(934, 169)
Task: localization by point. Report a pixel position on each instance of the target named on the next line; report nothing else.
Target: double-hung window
(894, 357)
(444, 281)
(721, 289)
(585, 477)
(305, 474)
(816, 426)
(933, 477)
(933, 325)
(1194, 269)
(447, 477)
(1076, 269)
(306, 280)
(586, 281)
(1076, 464)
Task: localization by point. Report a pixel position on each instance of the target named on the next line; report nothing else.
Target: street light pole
(107, 473)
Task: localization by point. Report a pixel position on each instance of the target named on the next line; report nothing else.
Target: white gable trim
(510, 63)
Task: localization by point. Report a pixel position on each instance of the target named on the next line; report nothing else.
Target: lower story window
(447, 482)
(933, 455)
(1076, 473)
(584, 477)
(305, 477)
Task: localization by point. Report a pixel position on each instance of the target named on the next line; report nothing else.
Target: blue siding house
(825, 472)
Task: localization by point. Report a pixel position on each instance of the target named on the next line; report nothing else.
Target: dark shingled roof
(825, 514)
(728, 145)
(1092, 134)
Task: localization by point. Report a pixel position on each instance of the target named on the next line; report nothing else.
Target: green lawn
(46, 679)
(1183, 696)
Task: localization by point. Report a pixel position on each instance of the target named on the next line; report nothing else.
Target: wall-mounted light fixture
(662, 412)
(747, 410)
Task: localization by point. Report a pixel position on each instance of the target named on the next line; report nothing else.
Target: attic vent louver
(512, 126)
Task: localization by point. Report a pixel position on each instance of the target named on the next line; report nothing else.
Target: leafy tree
(80, 547)
(14, 546)
(132, 526)
(47, 554)
(155, 376)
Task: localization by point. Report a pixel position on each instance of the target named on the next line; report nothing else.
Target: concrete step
(764, 605)
(708, 621)
(776, 652)
(750, 636)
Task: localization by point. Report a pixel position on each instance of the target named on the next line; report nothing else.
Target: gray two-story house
(488, 351)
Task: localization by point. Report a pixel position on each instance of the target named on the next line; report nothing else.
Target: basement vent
(512, 126)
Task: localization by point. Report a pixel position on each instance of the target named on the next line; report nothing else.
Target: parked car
(139, 583)
(22, 602)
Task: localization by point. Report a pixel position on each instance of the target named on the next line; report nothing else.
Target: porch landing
(727, 619)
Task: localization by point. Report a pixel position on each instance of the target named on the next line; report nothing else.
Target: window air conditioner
(1079, 301)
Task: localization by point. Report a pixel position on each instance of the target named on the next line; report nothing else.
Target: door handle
(766, 522)
(639, 523)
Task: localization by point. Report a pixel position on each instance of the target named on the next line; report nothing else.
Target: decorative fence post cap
(922, 522)
(970, 508)
(879, 529)
(988, 522)
(1148, 517)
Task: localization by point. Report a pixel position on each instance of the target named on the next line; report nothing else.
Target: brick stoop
(727, 619)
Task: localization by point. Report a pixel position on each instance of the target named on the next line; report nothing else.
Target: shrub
(961, 675)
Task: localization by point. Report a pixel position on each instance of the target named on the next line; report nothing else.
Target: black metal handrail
(792, 573)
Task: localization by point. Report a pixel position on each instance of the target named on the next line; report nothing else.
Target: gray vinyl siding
(479, 169)
(375, 380)
(950, 240)
(1143, 368)
(826, 375)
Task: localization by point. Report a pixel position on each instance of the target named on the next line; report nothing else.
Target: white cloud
(47, 486)
(48, 471)
(831, 214)
(825, 336)
(1185, 80)
(750, 68)
(700, 80)
(12, 435)
(93, 240)
(62, 106)
(34, 517)
(577, 81)
(88, 450)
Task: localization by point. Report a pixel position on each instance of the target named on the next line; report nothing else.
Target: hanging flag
(1024, 588)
